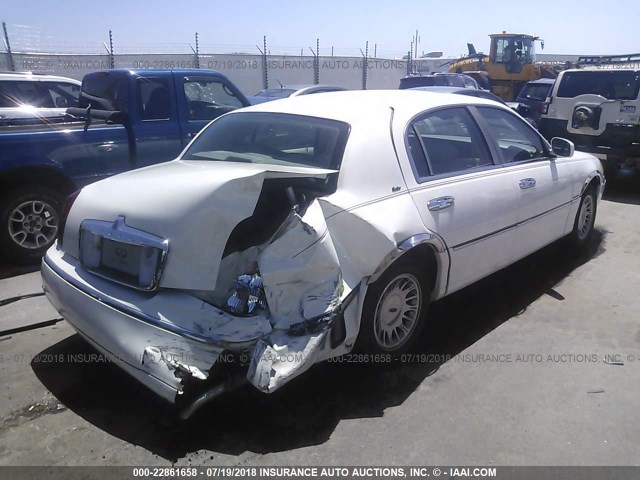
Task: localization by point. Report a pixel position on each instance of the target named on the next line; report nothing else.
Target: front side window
(64, 94)
(209, 98)
(516, 139)
(451, 143)
(272, 138)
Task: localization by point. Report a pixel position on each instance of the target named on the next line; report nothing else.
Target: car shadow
(623, 187)
(307, 410)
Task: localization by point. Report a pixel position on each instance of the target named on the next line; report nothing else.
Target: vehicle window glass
(516, 139)
(272, 138)
(104, 92)
(208, 99)
(612, 85)
(25, 93)
(535, 91)
(154, 101)
(275, 92)
(468, 82)
(452, 140)
(64, 94)
(7, 95)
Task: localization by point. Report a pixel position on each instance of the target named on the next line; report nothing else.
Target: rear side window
(612, 85)
(104, 92)
(14, 94)
(154, 101)
(449, 141)
(536, 91)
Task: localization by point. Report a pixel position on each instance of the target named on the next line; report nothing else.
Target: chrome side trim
(591, 176)
(432, 239)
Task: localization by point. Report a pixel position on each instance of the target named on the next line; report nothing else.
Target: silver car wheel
(585, 217)
(33, 224)
(397, 312)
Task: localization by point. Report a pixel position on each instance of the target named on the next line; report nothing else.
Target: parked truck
(125, 119)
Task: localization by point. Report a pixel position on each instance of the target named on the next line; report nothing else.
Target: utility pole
(12, 65)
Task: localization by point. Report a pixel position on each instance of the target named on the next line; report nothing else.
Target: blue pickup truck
(125, 119)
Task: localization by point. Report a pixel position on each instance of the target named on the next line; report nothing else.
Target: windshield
(612, 85)
(272, 138)
(275, 92)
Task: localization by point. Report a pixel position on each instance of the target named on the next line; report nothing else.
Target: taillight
(544, 107)
(65, 213)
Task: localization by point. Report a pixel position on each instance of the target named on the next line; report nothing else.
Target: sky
(584, 27)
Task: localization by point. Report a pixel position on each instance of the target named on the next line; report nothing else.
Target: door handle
(440, 203)
(527, 183)
(107, 147)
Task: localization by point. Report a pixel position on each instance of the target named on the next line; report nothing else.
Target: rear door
(156, 125)
(543, 182)
(461, 192)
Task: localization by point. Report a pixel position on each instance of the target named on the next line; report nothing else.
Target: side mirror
(562, 147)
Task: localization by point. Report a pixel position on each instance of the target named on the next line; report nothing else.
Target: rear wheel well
(424, 255)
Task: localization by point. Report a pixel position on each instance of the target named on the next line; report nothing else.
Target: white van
(598, 109)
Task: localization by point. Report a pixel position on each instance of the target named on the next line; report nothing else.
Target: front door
(543, 182)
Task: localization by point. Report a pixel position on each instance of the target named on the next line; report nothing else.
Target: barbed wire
(30, 39)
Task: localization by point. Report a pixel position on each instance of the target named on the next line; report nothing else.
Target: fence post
(12, 65)
(365, 62)
(112, 61)
(197, 53)
(317, 62)
(409, 63)
(265, 69)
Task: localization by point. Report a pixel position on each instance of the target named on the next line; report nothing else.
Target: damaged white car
(289, 232)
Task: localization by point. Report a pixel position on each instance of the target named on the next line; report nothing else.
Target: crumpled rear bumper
(183, 339)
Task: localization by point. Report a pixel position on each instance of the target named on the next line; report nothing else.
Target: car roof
(440, 89)
(38, 77)
(355, 106)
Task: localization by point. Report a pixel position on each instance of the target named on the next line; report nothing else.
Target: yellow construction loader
(509, 65)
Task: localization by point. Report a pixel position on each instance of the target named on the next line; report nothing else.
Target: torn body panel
(309, 257)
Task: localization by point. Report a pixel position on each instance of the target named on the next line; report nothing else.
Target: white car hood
(194, 205)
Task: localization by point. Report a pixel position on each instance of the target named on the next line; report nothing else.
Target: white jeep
(598, 109)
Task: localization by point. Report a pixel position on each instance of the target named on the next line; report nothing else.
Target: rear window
(104, 92)
(612, 85)
(536, 91)
(272, 138)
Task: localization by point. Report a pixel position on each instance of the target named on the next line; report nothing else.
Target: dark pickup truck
(125, 119)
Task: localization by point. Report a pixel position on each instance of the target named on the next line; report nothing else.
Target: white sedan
(294, 231)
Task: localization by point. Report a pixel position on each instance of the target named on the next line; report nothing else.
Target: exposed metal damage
(293, 280)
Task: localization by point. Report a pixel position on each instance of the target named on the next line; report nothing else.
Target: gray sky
(163, 26)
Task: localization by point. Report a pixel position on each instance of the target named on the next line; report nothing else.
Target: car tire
(29, 221)
(394, 311)
(585, 218)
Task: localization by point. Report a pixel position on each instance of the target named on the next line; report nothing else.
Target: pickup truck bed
(126, 120)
